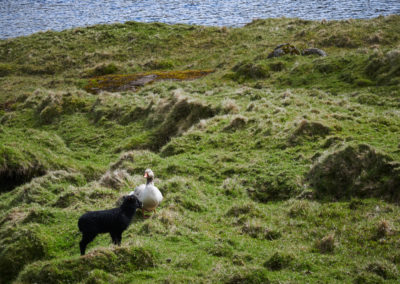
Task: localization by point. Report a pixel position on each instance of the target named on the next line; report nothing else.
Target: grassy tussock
(20, 248)
(176, 116)
(116, 179)
(326, 244)
(255, 229)
(309, 130)
(301, 208)
(114, 260)
(336, 174)
(383, 269)
(43, 190)
(50, 105)
(237, 122)
(22, 157)
(279, 261)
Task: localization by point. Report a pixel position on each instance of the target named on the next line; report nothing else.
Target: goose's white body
(151, 197)
(148, 194)
(138, 191)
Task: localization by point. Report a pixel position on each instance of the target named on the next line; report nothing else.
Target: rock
(312, 51)
(284, 49)
(356, 171)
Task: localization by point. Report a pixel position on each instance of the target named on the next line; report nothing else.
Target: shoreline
(195, 24)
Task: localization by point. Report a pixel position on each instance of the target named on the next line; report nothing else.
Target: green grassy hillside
(280, 170)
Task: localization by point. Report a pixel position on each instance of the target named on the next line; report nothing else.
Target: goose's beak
(145, 175)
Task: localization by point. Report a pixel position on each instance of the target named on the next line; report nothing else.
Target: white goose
(148, 194)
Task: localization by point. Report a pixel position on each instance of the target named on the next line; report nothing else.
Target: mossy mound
(5, 69)
(39, 215)
(136, 162)
(341, 39)
(274, 187)
(15, 170)
(46, 189)
(279, 261)
(98, 276)
(113, 106)
(18, 248)
(125, 82)
(49, 105)
(175, 116)
(256, 276)
(384, 68)
(258, 231)
(384, 269)
(102, 69)
(115, 261)
(308, 130)
(116, 179)
(22, 158)
(249, 70)
(247, 209)
(356, 171)
(237, 122)
(177, 184)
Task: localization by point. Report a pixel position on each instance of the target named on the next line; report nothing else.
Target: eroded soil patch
(131, 82)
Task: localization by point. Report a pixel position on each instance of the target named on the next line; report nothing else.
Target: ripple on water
(22, 17)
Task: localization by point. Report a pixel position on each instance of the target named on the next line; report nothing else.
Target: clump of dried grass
(326, 244)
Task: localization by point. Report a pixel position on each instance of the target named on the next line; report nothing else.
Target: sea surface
(22, 17)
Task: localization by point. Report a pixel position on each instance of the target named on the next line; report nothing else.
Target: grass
(273, 169)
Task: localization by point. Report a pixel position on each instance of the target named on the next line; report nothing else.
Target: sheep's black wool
(113, 221)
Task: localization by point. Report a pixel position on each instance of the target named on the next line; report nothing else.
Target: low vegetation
(279, 169)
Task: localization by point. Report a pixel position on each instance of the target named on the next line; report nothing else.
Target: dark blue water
(22, 17)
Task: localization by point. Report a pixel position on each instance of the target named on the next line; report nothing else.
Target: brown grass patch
(124, 82)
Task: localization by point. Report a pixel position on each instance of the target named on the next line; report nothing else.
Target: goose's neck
(150, 181)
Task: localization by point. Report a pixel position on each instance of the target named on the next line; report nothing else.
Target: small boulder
(314, 51)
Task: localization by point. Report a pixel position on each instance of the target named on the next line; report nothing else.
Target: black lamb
(113, 221)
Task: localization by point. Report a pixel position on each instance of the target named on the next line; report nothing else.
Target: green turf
(231, 152)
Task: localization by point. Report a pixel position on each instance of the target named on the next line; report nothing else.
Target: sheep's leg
(86, 238)
(119, 238)
(114, 238)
